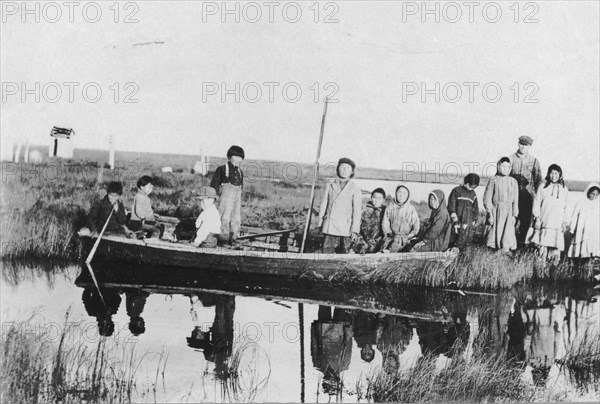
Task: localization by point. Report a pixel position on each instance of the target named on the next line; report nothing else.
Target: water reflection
(350, 332)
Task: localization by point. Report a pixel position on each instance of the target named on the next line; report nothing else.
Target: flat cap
(526, 140)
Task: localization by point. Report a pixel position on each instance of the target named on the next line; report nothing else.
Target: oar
(315, 177)
(91, 255)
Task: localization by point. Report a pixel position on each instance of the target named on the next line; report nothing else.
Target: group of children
(515, 200)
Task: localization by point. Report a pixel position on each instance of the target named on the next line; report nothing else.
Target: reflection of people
(331, 346)
(444, 338)
(395, 335)
(216, 343)
(546, 341)
(95, 307)
(135, 300)
(526, 170)
(365, 334)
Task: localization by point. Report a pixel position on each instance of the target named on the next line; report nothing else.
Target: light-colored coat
(340, 210)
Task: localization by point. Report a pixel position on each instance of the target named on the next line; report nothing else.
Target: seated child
(437, 234)
(400, 222)
(208, 224)
(339, 215)
(464, 210)
(142, 215)
(371, 234)
(101, 210)
(585, 225)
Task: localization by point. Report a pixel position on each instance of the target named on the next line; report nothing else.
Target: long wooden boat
(153, 251)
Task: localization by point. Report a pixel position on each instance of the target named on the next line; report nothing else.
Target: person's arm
(537, 174)
(452, 205)
(565, 212)
(415, 222)
(201, 234)
(93, 217)
(574, 218)
(488, 201)
(386, 228)
(121, 217)
(537, 207)
(217, 179)
(475, 211)
(356, 212)
(433, 229)
(143, 208)
(515, 201)
(323, 206)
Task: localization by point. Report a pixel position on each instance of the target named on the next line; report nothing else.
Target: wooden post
(111, 153)
(315, 177)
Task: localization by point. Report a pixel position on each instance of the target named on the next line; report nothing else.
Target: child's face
(377, 199)
(205, 203)
(433, 202)
(402, 195)
(593, 194)
(147, 188)
(114, 198)
(554, 176)
(345, 170)
(505, 168)
(236, 160)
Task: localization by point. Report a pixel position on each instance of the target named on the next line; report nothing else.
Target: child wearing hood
(371, 234)
(550, 213)
(585, 225)
(437, 234)
(501, 202)
(463, 207)
(340, 211)
(400, 222)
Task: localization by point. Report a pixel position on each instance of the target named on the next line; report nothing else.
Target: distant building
(62, 143)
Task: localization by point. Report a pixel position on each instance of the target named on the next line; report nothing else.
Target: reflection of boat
(414, 302)
(160, 252)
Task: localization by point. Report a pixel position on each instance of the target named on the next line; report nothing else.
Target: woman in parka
(400, 221)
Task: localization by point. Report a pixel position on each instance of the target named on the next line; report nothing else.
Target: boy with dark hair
(464, 210)
(142, 214)
(371, 233)
(228, 181)
(101, 209)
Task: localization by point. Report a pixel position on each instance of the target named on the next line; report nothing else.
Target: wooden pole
(91, 255)
(302, 375)
(315, 177)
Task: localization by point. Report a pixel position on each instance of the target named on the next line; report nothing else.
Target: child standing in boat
(400, 222)
(585, 225)
(228, 181)
(550, 214)
(371, 234)
(340, 211)
(208, 224)
(501, 201)
(464, 210)
(101, 212)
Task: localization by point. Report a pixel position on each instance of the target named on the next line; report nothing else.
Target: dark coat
(437, 234)
(100, 212)
(370, 227)
(220, 177)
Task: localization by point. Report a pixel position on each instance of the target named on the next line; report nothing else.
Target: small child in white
(208, 224)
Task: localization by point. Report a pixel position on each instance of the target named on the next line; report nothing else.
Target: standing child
(208, 224)
(501, 202)
(371, 234)
(437, 234)
(142, 215)
(585, 225)
(228, 181)
(464, 210)
(400, 221)
(339, 215)
(101, 209)
(549, 213)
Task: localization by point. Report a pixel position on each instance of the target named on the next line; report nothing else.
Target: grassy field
(44, 205)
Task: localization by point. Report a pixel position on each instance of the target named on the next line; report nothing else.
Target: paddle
(315, 177)
(91, 255)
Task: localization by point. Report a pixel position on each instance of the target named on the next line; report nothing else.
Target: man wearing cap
(208, 224)
(228, 181)
(340, 211)
(526, 170)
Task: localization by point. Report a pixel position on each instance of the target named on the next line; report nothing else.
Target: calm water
(300, 339)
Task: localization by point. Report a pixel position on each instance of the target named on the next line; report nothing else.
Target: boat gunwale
(315, 256)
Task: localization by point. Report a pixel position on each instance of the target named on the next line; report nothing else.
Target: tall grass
(247, 372)
(36, 370)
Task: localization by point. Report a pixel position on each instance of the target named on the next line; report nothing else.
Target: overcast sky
(177, 49)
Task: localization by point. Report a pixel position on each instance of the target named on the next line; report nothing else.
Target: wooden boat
(258, 257)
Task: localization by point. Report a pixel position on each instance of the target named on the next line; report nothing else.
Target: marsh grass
(37, 370)
(480, 377)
